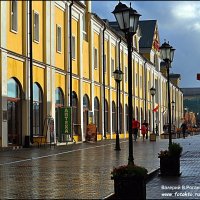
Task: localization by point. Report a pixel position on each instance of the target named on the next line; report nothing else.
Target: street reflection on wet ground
(78, 171)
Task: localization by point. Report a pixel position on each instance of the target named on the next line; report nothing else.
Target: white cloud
(186, 10)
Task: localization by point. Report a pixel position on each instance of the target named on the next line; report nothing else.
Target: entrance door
(14, 110)
(85, 122)
(86, 104)
(14, 122)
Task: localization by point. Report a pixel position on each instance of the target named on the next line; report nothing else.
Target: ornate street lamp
(153, 92)
(167, 54)
(127, 19)
(118, 75)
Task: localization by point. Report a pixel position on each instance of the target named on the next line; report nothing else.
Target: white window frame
(73, 47)
(58, 38)
(112, 66)
(95, 58)
(36, 33)
(14, 23)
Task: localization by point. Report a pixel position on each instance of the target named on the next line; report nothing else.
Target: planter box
(132, 187)
(170, 166)
(152, 137)
(166, 136)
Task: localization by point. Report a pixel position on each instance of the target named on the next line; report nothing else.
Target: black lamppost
(167, 54)
(118, 74)
(153, 92)
(173, 114)
(127, 19)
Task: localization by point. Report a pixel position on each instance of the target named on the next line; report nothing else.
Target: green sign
(66, 124)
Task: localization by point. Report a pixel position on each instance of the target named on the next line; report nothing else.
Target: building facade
(74, 54)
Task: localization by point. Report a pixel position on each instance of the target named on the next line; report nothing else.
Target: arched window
(96, 113)
(137, 113)
(86, 103)
(59, 97)
(13, 88)
(14, 112)
(142, 116)
(120, 118)
(113, 117)
(86, 106)
(126, 117)
(75, 111)
(37, 109)
(106, 116)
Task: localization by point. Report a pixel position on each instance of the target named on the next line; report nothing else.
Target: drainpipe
(70, 49)
(31, 71)
(104, 87)
(119, 85)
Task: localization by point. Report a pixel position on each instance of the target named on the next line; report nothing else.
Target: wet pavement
(78, 171)
(83, 171)
(187, 186)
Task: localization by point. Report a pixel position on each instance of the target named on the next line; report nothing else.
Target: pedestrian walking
(147, 127)
(143, 131)
(135, 127)
(184, 128)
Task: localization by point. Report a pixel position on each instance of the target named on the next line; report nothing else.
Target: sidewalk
(83, 171)
(187, 186)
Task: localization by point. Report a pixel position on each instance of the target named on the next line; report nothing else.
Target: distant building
(191, 103)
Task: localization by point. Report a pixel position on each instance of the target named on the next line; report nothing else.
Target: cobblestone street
(81, 171)
(187, 186)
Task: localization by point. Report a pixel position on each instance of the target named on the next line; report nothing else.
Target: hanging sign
(66, 124)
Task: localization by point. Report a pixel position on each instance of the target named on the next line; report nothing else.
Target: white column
(109, 83)
(67, 55)
(3, 75)
(102, 124)
(80, 64)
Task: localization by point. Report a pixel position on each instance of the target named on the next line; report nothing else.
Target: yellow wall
(38, 76)
(86, 89)
(113, 93)
(137, 74)
(75, 86)
(85, 54)
(59, 20)
(60, 81)
(14, 40)
(113, 55)
(97, 92)
(97, 46)
(141, 88)
(125, 65)
(38, 48)
(107, 62)
(74, 33)
(15, 69)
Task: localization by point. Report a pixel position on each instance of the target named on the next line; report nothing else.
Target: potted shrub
(170, 160)
(129, 182)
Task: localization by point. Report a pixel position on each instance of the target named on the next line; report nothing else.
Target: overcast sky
(178, 23)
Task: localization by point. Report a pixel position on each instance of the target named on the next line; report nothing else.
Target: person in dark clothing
(184, 128)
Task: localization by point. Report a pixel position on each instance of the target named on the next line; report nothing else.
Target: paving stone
(83, 171)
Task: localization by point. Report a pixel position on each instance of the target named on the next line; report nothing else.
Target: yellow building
(70, 44)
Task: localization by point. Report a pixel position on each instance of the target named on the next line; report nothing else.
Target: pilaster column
(3, 75)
